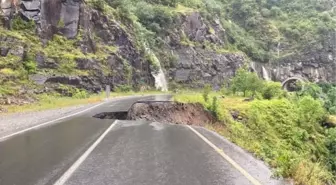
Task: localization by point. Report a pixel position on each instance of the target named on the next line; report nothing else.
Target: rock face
(316, 65)
(60, 16)
(30, 9)
(197, 67)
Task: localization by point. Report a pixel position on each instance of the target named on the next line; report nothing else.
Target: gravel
(11, 123)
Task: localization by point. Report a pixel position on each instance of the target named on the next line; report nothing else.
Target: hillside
(66, 47)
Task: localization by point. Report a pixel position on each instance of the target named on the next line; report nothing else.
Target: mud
(164, 112)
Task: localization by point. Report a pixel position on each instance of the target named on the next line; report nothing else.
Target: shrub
(275, 11)
(98, 4)
(312, 113)
(330, 104)
(214, 106)
(80, 94)
(19, 24)
(245, 81)
(206, 91)
(123, 88)
(271, 90)
(313, 90)
(331, 145)
(30, 66)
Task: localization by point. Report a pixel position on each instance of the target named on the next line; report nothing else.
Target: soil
(164, 112)
(171, 112)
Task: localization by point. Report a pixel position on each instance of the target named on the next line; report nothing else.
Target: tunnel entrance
(163, 112)
(293, 84)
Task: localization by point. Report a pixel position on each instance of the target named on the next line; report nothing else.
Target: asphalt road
(89, 151)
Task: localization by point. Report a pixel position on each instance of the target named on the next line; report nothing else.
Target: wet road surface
(131, 153)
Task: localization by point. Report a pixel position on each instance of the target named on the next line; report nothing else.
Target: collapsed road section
(163, 112)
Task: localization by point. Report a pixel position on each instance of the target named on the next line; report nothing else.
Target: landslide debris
(164, 112)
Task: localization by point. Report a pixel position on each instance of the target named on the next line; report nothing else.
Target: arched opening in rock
(293, 84)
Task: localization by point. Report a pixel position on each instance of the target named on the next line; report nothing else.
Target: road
(89, 151)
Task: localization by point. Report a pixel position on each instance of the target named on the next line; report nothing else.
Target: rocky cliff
(52, 43)
(317, 63)
(60, 45)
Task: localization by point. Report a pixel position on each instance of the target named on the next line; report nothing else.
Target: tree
(206, 91)
(271, 90)
(246, 81)
(331, 103)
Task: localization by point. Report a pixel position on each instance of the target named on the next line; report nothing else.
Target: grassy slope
(271, 130)
(52, 102)
(255, 27)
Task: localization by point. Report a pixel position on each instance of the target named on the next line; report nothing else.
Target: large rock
(70, 17)
(60, 15)
(69, 80)
(6, 7)
(197, 67)
(45, 62)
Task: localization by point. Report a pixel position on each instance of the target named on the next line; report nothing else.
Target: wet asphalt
(132, 153)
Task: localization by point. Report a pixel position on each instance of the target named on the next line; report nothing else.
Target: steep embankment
(74, 45)
(69, 46)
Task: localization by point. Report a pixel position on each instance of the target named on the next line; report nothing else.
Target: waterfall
(160, 80)
(159, 76)
(265, 74)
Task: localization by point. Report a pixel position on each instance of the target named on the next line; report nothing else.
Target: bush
(123, 88)
(19, 24)
(245, 81)
(80, 94)
(30, 66)
(206, 91)
(271, 90)
(313, 90)
(312, 113)
(99, 4)
(331, 145)
(214, 106)
(330, 104)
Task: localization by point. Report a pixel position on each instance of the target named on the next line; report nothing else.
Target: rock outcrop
(197, 67)
(316, 64)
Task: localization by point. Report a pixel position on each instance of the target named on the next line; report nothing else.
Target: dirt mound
(171, 112)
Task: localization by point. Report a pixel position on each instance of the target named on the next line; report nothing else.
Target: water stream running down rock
(159, 76)
(160, 80)
(265, 74)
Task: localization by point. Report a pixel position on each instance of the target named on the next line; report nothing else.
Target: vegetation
(54, 101)
(262, 29)
(286, 130)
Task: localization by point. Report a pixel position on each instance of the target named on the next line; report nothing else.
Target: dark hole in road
(112, 115)
(164, 112)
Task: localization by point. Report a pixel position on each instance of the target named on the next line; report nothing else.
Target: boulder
(70, 17)
(17, 51)
(31, 5)
(4, 51)
(38, 78)
(46, 63)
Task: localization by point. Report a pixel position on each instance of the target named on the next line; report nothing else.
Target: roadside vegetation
(264, 29)
(292, 132)
(47, 101)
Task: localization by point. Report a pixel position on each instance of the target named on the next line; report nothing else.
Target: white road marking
(226, 157)
(62, 180)
(49, 122)
(113, 104)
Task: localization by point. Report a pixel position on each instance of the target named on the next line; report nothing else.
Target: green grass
(47, 102)
(285, 134)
